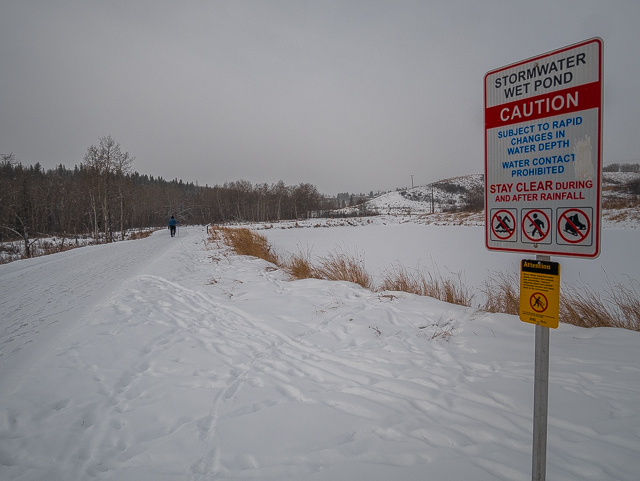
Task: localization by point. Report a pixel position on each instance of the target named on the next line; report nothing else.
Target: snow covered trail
(44, 296)
(191, 363)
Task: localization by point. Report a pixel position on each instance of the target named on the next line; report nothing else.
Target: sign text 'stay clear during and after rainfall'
(543, 131)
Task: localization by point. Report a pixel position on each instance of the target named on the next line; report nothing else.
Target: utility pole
(412, 181)
(432, 198)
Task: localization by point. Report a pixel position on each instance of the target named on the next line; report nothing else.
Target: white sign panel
(543, 131)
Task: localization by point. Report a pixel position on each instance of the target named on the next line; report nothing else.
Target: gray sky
(346, 95)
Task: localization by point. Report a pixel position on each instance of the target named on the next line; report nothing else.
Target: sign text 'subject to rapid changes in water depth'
(543, 131)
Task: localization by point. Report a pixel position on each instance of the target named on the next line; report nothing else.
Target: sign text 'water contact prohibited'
(543, 131)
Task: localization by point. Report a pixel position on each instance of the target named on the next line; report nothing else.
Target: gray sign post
(540, 400)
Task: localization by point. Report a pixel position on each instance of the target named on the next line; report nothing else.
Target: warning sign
(503, 225)
(574, 226)
(540, 292)
(543, 131)
(536, 226)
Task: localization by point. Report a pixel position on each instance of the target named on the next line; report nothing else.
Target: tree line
(621, 167)
(103, 197)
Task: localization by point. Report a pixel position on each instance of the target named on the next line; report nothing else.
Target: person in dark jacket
(172, 226)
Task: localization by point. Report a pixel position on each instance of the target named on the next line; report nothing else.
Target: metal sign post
(540, 399)
(540, 405)
(540, 305)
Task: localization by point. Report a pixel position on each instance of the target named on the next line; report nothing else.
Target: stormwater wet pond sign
(543, 131)
(543, 164)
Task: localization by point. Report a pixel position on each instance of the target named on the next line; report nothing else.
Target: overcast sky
(347, 95)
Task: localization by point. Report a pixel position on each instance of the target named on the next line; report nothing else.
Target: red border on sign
(595, 252)
(577, 230)
(537, 228)
(513, 229)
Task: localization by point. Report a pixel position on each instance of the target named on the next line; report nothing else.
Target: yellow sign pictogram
(540, 292)
(538, 302)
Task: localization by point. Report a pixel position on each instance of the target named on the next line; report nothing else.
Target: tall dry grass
(580, 305)
(502, 293)
(299, 266)
(336, 266)
(245, 242)
(424, 283)
(616, 306)
(343, 266)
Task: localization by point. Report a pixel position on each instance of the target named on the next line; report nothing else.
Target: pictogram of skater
(573, 225)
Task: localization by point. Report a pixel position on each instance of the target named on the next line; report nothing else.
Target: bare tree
(109, 167)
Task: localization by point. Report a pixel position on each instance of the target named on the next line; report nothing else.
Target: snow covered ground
(416, 243)
(173, 359)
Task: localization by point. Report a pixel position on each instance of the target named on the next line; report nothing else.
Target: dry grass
(448, 289)
(628, 215)
(627, 301)
(245, 242)
(336, 266)
(580, 305)
(299, 266)
(617, 306)
(399, 278)
(341, 266)
(141, 234)
(623, 201)
(502, 293)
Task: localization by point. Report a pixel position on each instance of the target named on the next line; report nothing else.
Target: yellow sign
(540, 292)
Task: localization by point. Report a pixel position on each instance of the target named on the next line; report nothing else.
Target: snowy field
(383, 242)
(173, 359)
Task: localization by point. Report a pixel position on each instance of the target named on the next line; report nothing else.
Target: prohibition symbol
(574, 226)
(503, 224)
(538, 302)
(536, 225)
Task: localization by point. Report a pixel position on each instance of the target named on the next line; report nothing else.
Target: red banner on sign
(560, 102)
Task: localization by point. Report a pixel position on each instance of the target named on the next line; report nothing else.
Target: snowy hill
(447, 194)
(452, 195)
(174, 359)
(618, 178)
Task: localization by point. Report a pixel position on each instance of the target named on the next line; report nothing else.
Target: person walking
(172, 226)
